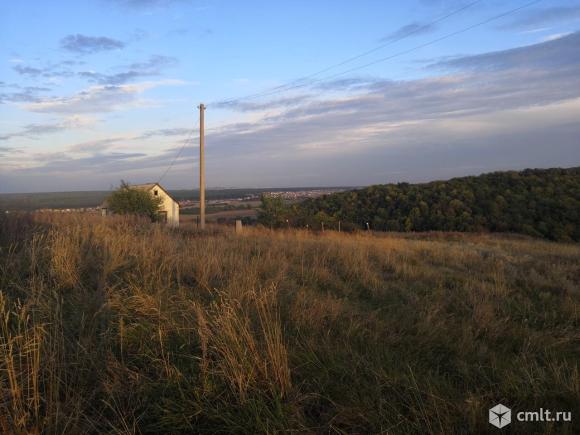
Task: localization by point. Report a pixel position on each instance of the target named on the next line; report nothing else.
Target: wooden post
(322, 223)
(238, 226)
(339, 226)
(201, 167)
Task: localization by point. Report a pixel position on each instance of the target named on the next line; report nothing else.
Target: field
(72, 200)
(214, 215)
(121, 326)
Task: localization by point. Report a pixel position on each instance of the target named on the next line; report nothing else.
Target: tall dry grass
(120, 326)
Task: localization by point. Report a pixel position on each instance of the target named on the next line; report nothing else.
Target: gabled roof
(146, 187)
(150, 186)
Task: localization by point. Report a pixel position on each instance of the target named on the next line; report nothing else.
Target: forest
(537, 202)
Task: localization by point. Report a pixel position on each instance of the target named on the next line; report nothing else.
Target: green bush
(273, 212)
(128, 200)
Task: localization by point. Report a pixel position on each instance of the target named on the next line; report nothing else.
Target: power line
(434, 41)
(408, 34)
(287, 87)
(185, 143)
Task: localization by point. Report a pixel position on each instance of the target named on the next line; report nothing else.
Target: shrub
(128, 200)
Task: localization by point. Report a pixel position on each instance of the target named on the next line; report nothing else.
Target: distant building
(169, 211)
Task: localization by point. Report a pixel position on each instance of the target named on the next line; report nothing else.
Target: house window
(155, 192)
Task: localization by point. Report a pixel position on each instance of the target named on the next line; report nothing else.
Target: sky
(300, 93)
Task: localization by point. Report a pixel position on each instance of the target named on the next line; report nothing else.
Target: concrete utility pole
(201, 168)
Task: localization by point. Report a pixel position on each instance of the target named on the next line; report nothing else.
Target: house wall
(168, 205)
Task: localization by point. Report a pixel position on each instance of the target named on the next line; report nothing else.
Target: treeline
(537, 202)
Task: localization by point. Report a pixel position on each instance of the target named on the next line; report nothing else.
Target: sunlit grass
(122, 326)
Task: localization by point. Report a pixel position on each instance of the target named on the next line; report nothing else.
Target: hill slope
(108, 326)
(537, 202)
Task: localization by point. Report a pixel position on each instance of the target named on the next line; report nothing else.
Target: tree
(273, 212)
(539, 202)
(127, 200)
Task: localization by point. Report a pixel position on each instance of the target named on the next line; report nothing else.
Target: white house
(169, 211)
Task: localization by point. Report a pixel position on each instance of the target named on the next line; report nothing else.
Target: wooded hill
(537, 202)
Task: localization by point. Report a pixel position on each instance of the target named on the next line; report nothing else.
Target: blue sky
(101, 90)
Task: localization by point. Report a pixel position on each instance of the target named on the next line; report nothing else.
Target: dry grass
(121, 326)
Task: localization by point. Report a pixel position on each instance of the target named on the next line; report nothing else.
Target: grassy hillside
(537, 202)
(121, 326)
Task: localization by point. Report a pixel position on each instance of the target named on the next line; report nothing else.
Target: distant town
(217, 200)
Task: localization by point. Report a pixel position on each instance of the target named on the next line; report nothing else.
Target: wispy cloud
(472, 101)
(35, 130)
(19, 94)
(92, 100)
(166, 132)
(344, 85)
(520, 112)
(105, 161)
(27, 70)
(246, 106)
(96, 146)
(154, 63)
(414, 29)
(347, 84)
(153, 66)
(82, 44)
(562, 51)
(554, 36)
(543, 17)
(98, 99)
(58, 69)
(4, 151)
(101, 156)
(150, 68)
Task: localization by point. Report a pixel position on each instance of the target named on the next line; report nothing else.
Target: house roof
(146, 187)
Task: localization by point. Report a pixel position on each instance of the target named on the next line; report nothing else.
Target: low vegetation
(119, 325)
(127, 200)
(536, 202)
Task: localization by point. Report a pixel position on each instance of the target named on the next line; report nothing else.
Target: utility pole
(201, 167)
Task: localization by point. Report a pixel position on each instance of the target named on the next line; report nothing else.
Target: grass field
(121, 326)
(214, 215)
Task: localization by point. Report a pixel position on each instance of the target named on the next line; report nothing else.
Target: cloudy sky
(299, 93)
